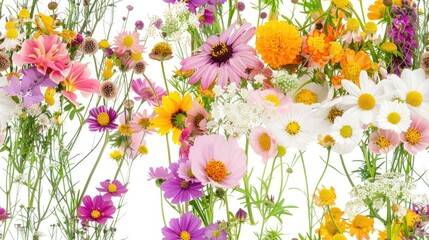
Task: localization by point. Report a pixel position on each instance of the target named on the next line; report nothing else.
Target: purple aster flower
(97, 210)
(112, 189)
(185, 227)
(191, 4)
(102, 119)
(149, 92)
(225, 57)
(3, 214)
(208, 17)
(23, 89)
(36, 78)
(215, 232)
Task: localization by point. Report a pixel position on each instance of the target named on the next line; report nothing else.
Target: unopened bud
(52, 5)
(241, 215)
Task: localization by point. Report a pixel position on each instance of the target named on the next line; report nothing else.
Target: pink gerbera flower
(225, 57)
(218, 161)
(79, 78)
(263, 143)
(49, 55)
(128, 41)
(383, 141)
(416, 138)
(271, 98)
(112, 188)
(197, 118)
(97, 209)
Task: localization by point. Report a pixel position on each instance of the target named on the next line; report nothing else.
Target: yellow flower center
(272, 98)
(104, 44)
(163, 49)
(293, 128)
(49, 96)
(24, 14)
(389, 47)
(370, 28)
(366, 101)
(265, 142)
(414, 98)
(144, 123)
(306, 97)
(103, 119)
(112, 188)
(331, 227)
(346, 131)
(352, 24)
(128, 41)
(190, 173)
(318, 43)
(12, 33)
(334, 113)
(335, 48)
(216, 170)
(184, 235)
(221, 52)
(394, 118)
(352, 71)
(339, 236)
(382, 142)
(95, 214)
(413, 136)
(143, 150)
(69, 85)
(136, 56)
(340, 3)
(125, 129)
(9, 25)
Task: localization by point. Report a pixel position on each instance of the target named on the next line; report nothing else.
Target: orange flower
(328, 228)
(353, 63)
(376, 10)
(336, 82)
(317, 46)
(361, 226)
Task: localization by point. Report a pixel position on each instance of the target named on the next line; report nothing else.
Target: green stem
(165, 78)
(162, 208)
(168, 149)
(246, 186)
(346, 172)
(309, 206)
(388, 220)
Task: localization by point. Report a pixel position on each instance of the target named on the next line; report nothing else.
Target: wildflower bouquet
(251, 103)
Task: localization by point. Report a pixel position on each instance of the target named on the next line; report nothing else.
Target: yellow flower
(171, 114)
(340, 3)
(116, 155)
(45, 24)
(49, 96)
(382, 235)
(9, 25)
(376, 10)
(352, 63)
(109, 63)
(278, 42)
(24, 14)
(103, 44)
(68, 36)
(370, 28)
(326, 197)
(328, 228)
(361, 226)
(389, 47)
(353, 24)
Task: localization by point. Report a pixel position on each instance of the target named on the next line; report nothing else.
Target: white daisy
(347, 133)
(394, 116)
(365, 101)
(295, 128)
(12, 39)
(413, 88)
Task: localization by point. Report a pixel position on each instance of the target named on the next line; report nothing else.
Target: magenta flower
(225, 57)
(102, 119)
(112, 189)
(149, 92)
(96, 210)
(186, 227)
(185, 143)
(190, 4)
(215, 232)
(24, 90)
(416, 138)
(208, 17)
(3, 214)
(214, 2)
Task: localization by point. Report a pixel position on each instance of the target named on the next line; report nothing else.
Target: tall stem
(246, 186)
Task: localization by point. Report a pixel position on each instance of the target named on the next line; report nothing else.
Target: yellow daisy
(326, 197)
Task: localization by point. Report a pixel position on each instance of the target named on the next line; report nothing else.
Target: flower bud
(52, 5)
(241, 215)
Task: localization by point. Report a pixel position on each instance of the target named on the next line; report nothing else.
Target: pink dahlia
(217, 161)
(271, 98)
(383, 141)
(263, 143)
(97, 209)
(79, 78)
(112, 188)
(49, 55)
(225, 57)
(416, 138)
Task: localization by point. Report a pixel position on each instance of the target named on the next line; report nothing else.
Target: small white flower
(347, 133)
(259, 78)
(34, 110)
(394, 116)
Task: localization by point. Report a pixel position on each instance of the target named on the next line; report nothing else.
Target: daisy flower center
(306, 97)
(143, 150)
(95, 214)
(272, 98)
(413, 136)
(414, 98)
(293, 128)
(346, 131)
(12, 33)
(334, 113)
(178, 119)
(382, 142)
(317, 43)
(184, 235)
(265, 142)
(103, 119)
(389, 46)
(125, 129)
(216, 233)
(352, 24)
(352, 71)
(394, 118)
(366, 101)
(216, 170)
(198, 119)
(136, 56)
(128, 41)
(112, 188)
(9, 25)
(221, 52)
(184, 184)
(144, 122)
(335, 48)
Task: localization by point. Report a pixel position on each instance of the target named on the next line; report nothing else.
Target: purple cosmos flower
(185, 227)
(112, 189)
(191, 4)
(97, 210)
(158, 173)
(23, 89)
(149, 92)
(208, 17)
(215, 232)
(36, 78)
(102, 119)
(3, 214)
(225, 57)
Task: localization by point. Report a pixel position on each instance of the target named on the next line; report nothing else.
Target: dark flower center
(221, 52)
(184, 184)
(198, 119)
(178, 119)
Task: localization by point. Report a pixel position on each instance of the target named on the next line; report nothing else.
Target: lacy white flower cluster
(285, 81)
(390, 186)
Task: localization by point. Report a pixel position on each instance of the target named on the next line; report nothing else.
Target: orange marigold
(361, 226)
(278, 42)
(353, 63)
(318, 47)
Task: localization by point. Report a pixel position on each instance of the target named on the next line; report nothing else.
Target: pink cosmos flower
(416, 138)
(196, 119)
(141, 122)
(112, 188)
(78, 78)
(97, 209)
(49, 55)
(217, 161)
(383, 141)
(160, 173)
(271, 98)
(263, 143)
(185, 171)
(225, 57)
(148, 92)
(128, 41)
